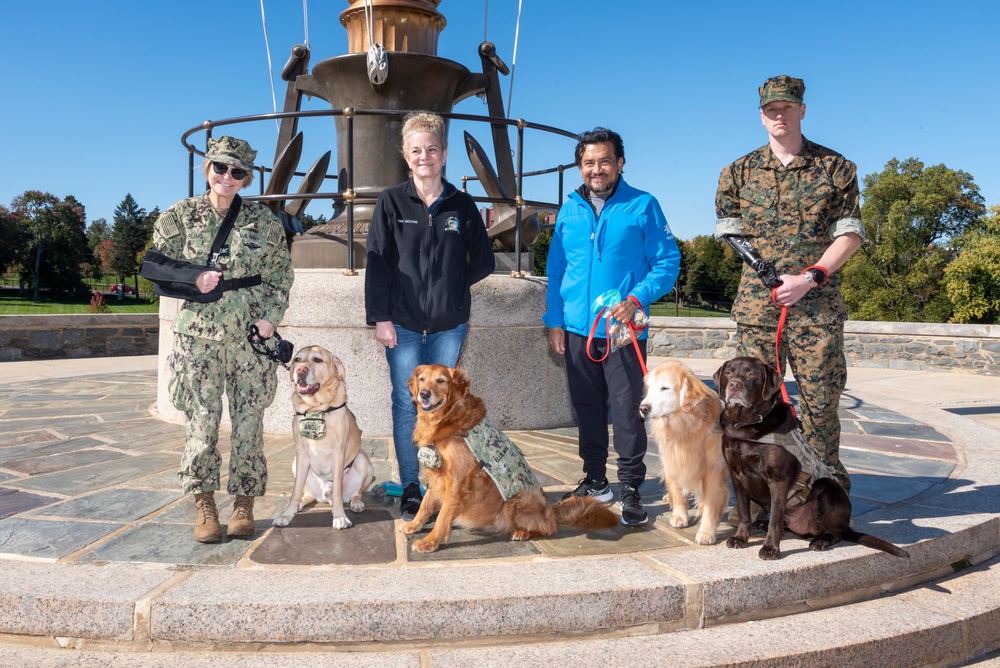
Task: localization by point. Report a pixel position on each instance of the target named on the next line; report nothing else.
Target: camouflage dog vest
(812, 468)
(497, 454)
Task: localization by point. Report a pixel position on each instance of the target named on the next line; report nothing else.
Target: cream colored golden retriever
(683, 414)
(329, 464)
(461, 487)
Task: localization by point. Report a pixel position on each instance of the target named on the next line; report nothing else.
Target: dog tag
(312, 426)
(429, 457)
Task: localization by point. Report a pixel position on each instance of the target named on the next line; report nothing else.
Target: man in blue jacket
(608, 236)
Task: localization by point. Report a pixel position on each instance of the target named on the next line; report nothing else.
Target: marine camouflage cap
(782, 88)
(231, 151)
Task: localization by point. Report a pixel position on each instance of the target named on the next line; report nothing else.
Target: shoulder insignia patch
(168, 225)
(275, 234)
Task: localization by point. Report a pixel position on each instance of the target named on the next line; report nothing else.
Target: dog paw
(341, 523)
(521, 534)
(357, 505)
(819, 545)
(282, 520)
(736, 542)
(705, 537)
(424, 545)
(411, 527)
(678, 521)
(768, 553)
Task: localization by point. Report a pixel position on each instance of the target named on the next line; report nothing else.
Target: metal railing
(345, 193)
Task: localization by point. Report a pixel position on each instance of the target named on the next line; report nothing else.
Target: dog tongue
(305, 388)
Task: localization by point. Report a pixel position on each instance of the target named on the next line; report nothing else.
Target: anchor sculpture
(412, 76)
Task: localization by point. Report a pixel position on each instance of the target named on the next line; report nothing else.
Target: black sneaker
(632, 513)
(600, 490)
(409, 504)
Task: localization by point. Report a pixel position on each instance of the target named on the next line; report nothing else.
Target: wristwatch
(815, 276)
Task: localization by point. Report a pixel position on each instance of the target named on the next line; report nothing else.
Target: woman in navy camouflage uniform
(249, 278)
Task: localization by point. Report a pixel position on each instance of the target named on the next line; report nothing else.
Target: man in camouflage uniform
(211, 354)
(796, 204)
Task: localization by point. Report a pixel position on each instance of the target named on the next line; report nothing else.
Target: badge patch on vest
(312, 425)
(501, 459)
(451, 225)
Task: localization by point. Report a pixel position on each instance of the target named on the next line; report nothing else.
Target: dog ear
(717, 377)
(340, 368)
(772, 380)
(412, 383)
(459, 383)
(690, 395)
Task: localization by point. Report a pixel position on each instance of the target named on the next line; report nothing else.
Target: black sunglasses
(220, 169)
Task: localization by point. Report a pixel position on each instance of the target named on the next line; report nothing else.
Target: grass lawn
(11, 303)
(662, 308)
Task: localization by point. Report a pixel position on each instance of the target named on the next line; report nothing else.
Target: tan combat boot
(241, 521)
(206, 523)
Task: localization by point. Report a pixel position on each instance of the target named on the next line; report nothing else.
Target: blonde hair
(206, 168)
(424, 122)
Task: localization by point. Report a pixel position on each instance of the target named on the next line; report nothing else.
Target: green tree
(541, 245)
(973, 277)
(910, 213)
(710, 271)
(129, 236)
(98, 231)
(52, 241)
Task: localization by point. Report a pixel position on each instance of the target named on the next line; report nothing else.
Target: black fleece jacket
(421, 266)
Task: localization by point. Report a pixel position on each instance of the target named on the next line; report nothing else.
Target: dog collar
(760, 418)
(328, 410)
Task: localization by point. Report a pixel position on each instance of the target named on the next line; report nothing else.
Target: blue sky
(98, 94)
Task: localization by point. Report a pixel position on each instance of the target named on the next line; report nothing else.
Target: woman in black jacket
(427, 245)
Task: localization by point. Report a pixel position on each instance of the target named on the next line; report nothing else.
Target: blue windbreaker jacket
(629, 248)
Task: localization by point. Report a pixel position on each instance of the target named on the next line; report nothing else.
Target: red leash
(632, 329)
(781, 329)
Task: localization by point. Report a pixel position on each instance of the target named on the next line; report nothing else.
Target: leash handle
(593, 330)
(632, 329)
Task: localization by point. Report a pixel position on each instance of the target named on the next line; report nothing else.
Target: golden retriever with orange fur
(683, 414)
(461, 490)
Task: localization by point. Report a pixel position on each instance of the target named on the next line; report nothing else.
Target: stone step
(949, 622)
(676, 589)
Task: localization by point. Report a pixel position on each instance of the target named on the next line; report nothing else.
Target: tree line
(932, 252)
(50, 247)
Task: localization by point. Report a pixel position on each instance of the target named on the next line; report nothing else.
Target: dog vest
(812, 468)
(497, 454)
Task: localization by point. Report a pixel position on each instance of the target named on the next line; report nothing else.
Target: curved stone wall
(885, 345)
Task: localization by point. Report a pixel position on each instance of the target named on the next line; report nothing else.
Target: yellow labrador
(329, 464)
(683, 414)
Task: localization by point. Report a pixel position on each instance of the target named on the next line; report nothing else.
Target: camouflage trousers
(201, 371)
(816, 357)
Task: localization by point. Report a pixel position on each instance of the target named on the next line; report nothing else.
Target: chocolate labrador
(758, 434)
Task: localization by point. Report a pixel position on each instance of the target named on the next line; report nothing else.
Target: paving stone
(114, 505)
(903, 447)
(888, 488)
(13, 501)
(871, 413)
(49, 539)
(47, 447)
(470, 544)
(168, 544)
(62, 462)
(310, 540)
(878, 462)
(97, 476)
(908, 431)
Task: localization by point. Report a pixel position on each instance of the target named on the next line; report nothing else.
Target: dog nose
(425, 395)
(644, 410)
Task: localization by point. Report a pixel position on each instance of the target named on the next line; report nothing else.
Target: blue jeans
(411, 351)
